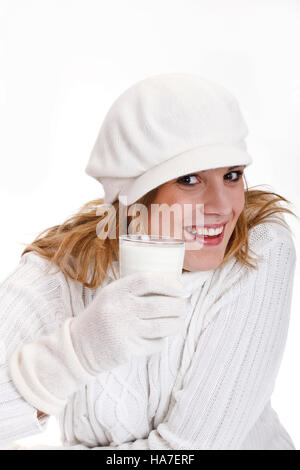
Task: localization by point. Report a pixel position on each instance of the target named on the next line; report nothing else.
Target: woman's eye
(239, 174)
(186, 180)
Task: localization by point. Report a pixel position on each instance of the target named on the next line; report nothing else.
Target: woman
(82, 344)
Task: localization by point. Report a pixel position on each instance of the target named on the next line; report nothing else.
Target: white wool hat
(164, 127)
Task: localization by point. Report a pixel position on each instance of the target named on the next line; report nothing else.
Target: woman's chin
(207, 266)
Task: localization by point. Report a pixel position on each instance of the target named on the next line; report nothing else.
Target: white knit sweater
(209, 388)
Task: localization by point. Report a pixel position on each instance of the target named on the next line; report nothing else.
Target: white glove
(126, 318)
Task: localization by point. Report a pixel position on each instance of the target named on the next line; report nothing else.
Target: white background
(63, 63)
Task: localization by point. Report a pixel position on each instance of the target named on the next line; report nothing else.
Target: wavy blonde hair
(76, 248)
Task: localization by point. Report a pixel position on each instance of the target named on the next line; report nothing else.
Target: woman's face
(221, 191)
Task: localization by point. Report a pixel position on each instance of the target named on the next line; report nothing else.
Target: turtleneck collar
(191, 280)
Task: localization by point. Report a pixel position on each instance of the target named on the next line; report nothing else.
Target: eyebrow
(236, 166)
(230, 168)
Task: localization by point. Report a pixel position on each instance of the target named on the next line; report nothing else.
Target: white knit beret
(164, 127)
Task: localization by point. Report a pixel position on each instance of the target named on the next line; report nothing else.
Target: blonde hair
(76, 248)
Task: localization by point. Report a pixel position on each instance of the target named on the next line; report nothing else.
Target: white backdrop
(63, 63)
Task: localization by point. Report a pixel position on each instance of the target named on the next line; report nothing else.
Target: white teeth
(207, 232)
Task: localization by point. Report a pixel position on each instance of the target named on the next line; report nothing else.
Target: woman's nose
(218, 199)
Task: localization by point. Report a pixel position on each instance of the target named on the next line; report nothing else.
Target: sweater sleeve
(30, 305)
(235, 364)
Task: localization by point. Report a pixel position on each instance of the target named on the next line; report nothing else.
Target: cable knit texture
(209, 388)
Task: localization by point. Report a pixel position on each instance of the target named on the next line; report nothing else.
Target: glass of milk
(142, 252)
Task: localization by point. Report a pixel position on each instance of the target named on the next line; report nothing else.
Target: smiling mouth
(205, 232)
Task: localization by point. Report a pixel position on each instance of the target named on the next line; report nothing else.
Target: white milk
(145, 253)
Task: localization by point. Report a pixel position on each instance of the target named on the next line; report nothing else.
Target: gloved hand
(129, 317)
